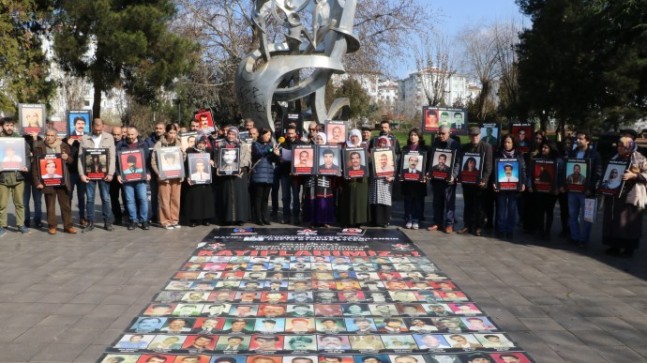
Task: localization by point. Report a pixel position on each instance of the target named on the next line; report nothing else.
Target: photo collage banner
(311, 296)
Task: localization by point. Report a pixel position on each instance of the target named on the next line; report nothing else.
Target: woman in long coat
(197, 205)
(353, 204)
(319, 195)
(381, 193)
(233, 189)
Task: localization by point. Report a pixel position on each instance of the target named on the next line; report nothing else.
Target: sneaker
(3, 231)
(146, 226)
(70, 230)
(24, 230)
(433, 228)
(169, 226)
(415, 226)
(132, 226)
(408, 225)
(177, 226)
(449, 229)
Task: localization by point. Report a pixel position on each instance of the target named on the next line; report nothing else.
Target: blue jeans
(444, 203)
(104, 193)
(31, 190)
(136, 200)
(580, 230)
(506, 211)
(290, 191)
(75, 181)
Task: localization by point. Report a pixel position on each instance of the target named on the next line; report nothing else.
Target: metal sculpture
(275, 72)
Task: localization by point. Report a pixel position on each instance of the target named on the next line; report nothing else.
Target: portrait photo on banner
(577, 175)
(95, 163)
(78, 123)
(355, 159)
(336, 132)
(430, 120)
(413, 166)
(132, 165)
(328, 160)
(544, 175)
(51, 170)
(12, 153)
(170, 163)
(205, 119)
(442, 164)
(188, 139)
(490, 134)
(303, 161)
(507, 174)
(228, 161)
(471, 168)
(32, 118)
(383, 162)
(522, 133)
(199, 168)
(612, 183)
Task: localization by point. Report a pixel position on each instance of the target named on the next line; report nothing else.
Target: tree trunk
(96, 105)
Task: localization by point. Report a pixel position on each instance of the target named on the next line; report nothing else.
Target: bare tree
(435, 67)
(482, 57)
(506, 37)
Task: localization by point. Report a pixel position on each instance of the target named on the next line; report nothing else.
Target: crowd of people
(241, 192)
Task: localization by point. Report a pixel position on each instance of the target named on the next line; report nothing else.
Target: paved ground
(66, 298)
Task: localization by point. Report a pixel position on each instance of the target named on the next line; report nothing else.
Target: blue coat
(263, 163)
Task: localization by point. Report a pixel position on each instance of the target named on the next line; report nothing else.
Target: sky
(453, 16)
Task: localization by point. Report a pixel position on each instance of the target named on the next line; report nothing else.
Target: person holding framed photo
(135, 189)
(12, 181)
(414, 192)
(381, 192)
(474, 194)
(53, 145)
(319, 194)
(169, 189)
(581, 229)
(444, 191)
(264, 156)
(197, 205)
(98, 139)
(507, 201)
(543, 203)
(354, 196)
(233, 189)
(623, 212)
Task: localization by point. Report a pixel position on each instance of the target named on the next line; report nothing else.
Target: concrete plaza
(67, 298)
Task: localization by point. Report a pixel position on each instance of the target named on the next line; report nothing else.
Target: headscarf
(385, 139)
(322, 135)
(235, 130)
(354, 132)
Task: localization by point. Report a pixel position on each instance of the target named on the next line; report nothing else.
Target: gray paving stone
(541, 324)
(59, 352)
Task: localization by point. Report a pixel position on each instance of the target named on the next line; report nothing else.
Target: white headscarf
(322, 135)
(354, 132)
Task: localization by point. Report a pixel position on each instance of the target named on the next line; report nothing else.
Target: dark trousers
(489, 200)
(37, 194)
(290, 194)
(154, 210)
(563, 212)
(276, 185)
(75, 182)
(63, 202)
(444, 203)
(115, 191)
(260, 195)
(546, 206)
(473, 214)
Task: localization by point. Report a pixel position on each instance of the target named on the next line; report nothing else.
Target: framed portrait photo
(455, 118)
(544, 175)
(32, 118)
(228, 161)
(170, 163)
(383, 163)
(522, 133)
(303, 162)
(51, 170)
(199, 168)
(430, 120)
(336, 132)
(507, 174)
(60, 125)
(442, 163)
(95, 163)
(132, 165)
(577, 175)
(12, 153)
(188, 139)
(471, 168)
(612, 183)
(412, 168)
(205, 118)
(490, 134)
(355, 160)
(328, 160)
(78, 123)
